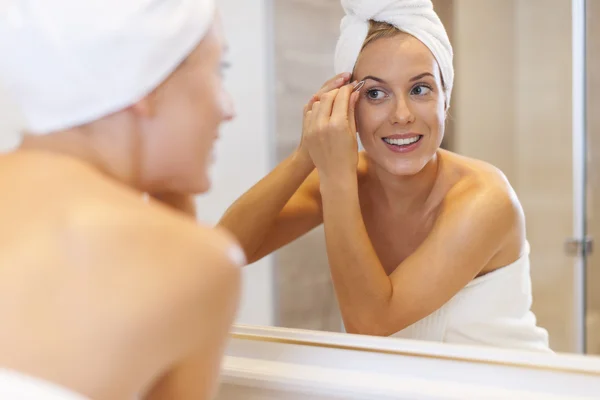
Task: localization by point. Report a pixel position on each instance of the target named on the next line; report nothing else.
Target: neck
(112, 151)
(400, 195)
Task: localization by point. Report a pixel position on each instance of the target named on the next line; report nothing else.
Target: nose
(228, 107)
(403, 114)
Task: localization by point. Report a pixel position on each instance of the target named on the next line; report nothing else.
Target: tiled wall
(306, 32)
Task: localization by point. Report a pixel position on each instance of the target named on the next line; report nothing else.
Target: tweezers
(358, 86)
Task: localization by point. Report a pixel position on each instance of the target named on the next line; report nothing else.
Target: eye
(375, 94)
(420, 90)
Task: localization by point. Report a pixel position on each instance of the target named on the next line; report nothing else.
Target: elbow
(388, 321)
(237, 253)
(372, 325)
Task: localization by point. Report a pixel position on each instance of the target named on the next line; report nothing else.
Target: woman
(422, 243)
(103, 295)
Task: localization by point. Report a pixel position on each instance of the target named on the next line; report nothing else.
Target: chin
(401, 167)
(202, 185)
(404, 170)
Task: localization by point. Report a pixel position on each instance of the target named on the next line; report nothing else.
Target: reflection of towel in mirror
(16, 386)
(415, 17)
(492, 310)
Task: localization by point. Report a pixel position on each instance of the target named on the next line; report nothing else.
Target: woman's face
(400, 114)
(189, 108)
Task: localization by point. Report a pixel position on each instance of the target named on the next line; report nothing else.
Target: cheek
(431, 113)
(370, 117)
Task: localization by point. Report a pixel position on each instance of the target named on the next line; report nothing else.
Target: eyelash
(421, 85)
(374, 90)
(368, 92)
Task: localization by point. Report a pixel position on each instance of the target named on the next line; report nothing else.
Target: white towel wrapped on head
(415, 17)
(70, 62)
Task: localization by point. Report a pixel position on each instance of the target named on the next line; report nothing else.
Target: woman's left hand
(331, 134)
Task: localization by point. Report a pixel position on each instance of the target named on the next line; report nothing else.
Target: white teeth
(402, 142)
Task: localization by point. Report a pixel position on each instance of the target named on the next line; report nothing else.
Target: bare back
(101, 292)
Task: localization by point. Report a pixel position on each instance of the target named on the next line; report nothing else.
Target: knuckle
(327, 96)
(337, 124)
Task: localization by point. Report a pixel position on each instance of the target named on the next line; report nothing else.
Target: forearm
(255, 212)
(363, 288)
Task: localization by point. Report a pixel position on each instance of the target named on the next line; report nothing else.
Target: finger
(336, 83)
(340, 108)
(312, 101)
(352, 111)
(306, 122)
(312, 122)
(326, 106)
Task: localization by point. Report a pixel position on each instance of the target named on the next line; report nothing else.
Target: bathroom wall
(513, 109)
(593, 209)
(244, 150)
(305, 35)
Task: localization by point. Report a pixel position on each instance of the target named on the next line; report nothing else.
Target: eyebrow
(421, 76)
(415, 78)
(374, 78)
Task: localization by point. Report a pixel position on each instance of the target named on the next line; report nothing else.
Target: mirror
(512, 107)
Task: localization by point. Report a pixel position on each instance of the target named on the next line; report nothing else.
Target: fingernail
(339, 81)
(346, 75)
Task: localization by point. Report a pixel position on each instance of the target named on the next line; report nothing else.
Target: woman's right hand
(334, 83)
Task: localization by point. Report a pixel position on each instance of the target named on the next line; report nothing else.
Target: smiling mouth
(403, 142)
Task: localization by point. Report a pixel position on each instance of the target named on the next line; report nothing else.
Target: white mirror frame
(277, 363)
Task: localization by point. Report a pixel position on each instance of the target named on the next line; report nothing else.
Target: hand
(330, 135)
(334, 83)
(184, 203)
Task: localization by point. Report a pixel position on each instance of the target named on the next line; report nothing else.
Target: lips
(403, 143)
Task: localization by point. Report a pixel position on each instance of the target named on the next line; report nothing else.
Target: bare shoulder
(481, 197)
(476, 179)
(155, 235)
(112, 222)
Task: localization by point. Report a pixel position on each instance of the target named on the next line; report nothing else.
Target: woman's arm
(282, 206)
(467, 234)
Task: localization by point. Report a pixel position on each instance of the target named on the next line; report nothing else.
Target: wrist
(302, 161)
(340, 184)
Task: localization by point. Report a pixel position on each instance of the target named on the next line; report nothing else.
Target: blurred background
(516, 105)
